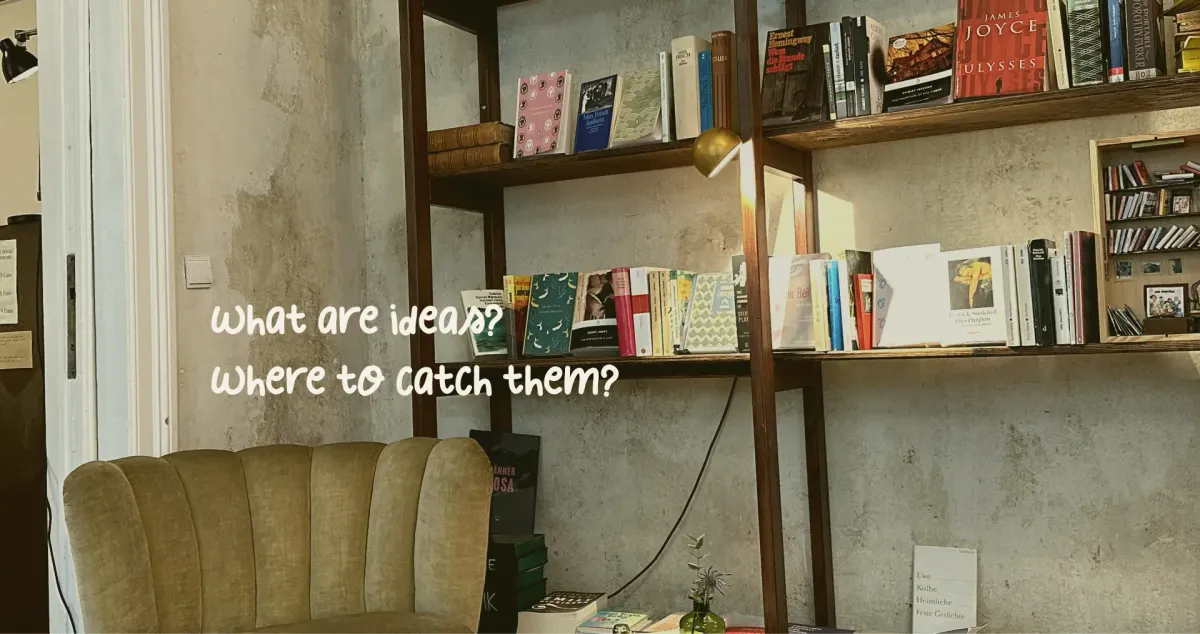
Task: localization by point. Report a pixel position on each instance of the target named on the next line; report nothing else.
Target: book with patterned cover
(551, 313)
(639, 111)
(545, 114)
(711, 325)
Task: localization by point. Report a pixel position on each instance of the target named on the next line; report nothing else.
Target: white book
(1062, 313)
(484, 344)
(907, 294)
(1167, 237)
(819, 288)
(1057, 34)
(839, 72)
(667, 89)
(779, 273)
(1025, 297)
(849, 329)
(639, 284)
(685, 71)
(1015, 337)
(560, 612)
(977, 290)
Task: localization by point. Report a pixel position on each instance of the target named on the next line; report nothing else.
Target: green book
(532, 576)
(711, 325)
(551, 314)
(520, 544)
(530, 595)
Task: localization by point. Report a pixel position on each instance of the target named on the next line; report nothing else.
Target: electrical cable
(54, 566)
(686, 505)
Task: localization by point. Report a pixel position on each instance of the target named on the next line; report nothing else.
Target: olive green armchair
(356, 537)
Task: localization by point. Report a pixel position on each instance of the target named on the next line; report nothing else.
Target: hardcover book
(977, 292)
(597, 102)
(864, 287)
(515, 576)
(920, 69)
(793, 89)
(1000, 48)
(1087, 36)
(849, 66)
(870, 40)
(685, 72)
(794, 322)
(711, 326)
(724, 80)
(639, 295)
(485, 343)
(706, 89)
(551, 312)
(516, 310)
(594, 330)
(470, 136)
(638, 117)
(468, 158)
(906, 295)
(545, 114)
(514, 460)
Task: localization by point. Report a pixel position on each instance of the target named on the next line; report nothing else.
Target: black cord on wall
(686, 505)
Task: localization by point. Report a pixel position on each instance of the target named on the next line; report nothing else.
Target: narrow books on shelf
(595, 324)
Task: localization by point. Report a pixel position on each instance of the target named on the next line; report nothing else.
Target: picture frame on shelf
(1166, 301)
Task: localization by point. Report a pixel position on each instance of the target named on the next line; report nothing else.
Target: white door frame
(104, 92)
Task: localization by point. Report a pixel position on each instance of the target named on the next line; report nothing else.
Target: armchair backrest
(218, 541)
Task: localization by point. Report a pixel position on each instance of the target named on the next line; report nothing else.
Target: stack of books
(1181, 31)
(468, 147)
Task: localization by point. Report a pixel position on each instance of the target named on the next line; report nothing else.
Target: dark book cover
(1144, 49)
(794, 76)
(1000, 48)
(1085, 256)
(594, 331)
(1085, 22)
(514, 478)
(551, 314)
(514, 580)
(920, 68)
(849, 66)
(724, 89)
(1115, 27)
(870, 60)
(516, 311)
(857, 263)
(741, 303)
(597, 101)
(1041, 285)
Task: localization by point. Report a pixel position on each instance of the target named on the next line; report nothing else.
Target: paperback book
(1000, 48)
(516, 309)
(594, 328)
(711, 327)
(551, 312)
(560, 612)
(920, 69)
(638, 117)
(515, 459)
(597, 104)
(977, 286)
(793, 89)
(905, 298)
(545, 114)
(487, 343)
(609, 621)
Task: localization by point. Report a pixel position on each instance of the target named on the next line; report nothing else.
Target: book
(1083, 272)
(830, 88)
(656, 338)
(594, 331)
(864, 287)
(667, 87)
(837, 53)
(1000, 48)
(1057, 33)
(545, 114)
(551, 311)
(851, 263)
(626, 344)
(1062, 311)
(793, 327)
(741, 303)
(514, 460)
(871, 57)
(1144, 44)
(706, 89)
(668, 624)
(834, 291)
(711, 327)
(669, 297)
(597, 105)
(1025, 296)
(468, 158)
(515, 573)
(474, 135)
(920, 69)
(493, 343)
(1013, 324)
(848, 66)
(906, 294)
(683, 294)
(793, 88)
(1115, 17)
(1085, 28)
(560, 612)
(516, 309)
(604, 622)
(638, 116)
(818, 275)
(724, 85)
(1042, 293)
(977, 292)
(685, 75)
(639, 294)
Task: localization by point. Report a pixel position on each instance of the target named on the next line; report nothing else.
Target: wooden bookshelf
(1143, 218)
(1175, 91)
(1124, 345)
(676, 367)
(1154, 252)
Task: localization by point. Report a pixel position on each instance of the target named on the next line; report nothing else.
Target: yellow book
(1189, 56)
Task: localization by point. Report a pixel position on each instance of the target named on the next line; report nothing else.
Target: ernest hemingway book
(551, 312)
(514, 478)
(597, 104)
(920, 69)
(793, 89)
(1000, 48)
(594, 332)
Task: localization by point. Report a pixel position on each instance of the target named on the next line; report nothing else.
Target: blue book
(597, 102)
(706, 90)
(835, 306)
(1116, 41)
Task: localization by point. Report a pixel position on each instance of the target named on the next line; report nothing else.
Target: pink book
(545, 115)
(625, 336)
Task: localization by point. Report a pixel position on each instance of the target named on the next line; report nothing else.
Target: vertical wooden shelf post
(416, 190)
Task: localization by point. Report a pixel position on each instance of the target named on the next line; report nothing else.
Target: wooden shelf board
(683, 366)
(1181, 343)
(1153, 188)
(1142, 218)
(1155, 252)
(1175, 91)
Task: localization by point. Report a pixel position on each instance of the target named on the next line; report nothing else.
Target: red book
(1191, 166)
(625, 337)
(1000, 48)
(1143, 173)
(864, 301)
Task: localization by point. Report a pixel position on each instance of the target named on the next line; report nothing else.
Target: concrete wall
(1075, 479)
(19, 112)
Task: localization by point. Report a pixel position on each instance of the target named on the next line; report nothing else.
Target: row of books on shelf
(1152, 239)
(1149, 204)
(916, 296)
(1135, 175)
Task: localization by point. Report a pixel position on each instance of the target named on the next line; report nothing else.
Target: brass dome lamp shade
(714, 149)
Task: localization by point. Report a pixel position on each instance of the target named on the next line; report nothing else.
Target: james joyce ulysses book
(1000, 48)
(514, 478)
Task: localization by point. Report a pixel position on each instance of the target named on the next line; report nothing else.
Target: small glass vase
(701, 620)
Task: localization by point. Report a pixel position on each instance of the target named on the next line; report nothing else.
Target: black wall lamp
(18, 62)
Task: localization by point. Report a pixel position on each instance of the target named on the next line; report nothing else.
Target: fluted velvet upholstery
(356, 537)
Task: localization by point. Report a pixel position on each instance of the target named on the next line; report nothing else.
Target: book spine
(862, 67)
(835, 306)
(1088, 283)
(666, 90)
(468, 158)
(685, 74)
(1025, 297)
(656, 343)
(839, 67)
(1062, 332)
(866, 290)
(1143, 40)
(830, 89)
(639, 293)
(676, 309)
(1011, 314)
(626, 342)
(470, 136)
(877, 43)
(848, 67)
(846, 302)
(1084, 24)
(706, 90)
(1069, 284)
(722, 74)
(1116, 41)
(741, 303)
(667, 310)
(1058, 41)
(1042, 293)
(510, 316)
(819, 289)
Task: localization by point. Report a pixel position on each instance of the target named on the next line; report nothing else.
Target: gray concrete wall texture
(1076, 479)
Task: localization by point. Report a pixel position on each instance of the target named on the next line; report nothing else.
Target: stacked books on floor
(586, 613)
(469, 147)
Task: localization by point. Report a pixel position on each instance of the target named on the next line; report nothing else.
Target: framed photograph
(1151, 268)
(1124, 270)
(1176, 266)
(1166, 300)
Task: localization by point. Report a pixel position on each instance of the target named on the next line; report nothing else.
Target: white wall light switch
(197, 271)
